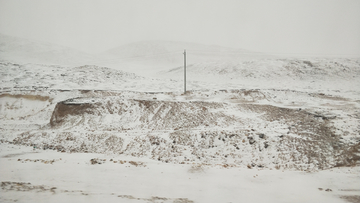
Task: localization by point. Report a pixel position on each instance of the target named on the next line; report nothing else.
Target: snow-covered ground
(29, 175)
(256, 129)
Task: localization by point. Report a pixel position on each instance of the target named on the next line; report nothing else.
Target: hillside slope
(21, 50)
(297, 69)
(152, 56)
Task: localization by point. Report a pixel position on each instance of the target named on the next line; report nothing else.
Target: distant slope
(147, 58)
(271, 69)
(171, 53)
(34, 76)
(27, 51)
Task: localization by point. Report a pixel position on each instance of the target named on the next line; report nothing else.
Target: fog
(322, 27)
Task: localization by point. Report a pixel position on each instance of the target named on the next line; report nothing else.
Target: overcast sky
(330, 27)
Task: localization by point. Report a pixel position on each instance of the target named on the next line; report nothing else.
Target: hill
(21, 50)
(275, 73)
(161, 55)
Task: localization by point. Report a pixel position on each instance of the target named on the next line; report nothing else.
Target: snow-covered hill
(36, 76)
(297, 69)
(315, 73)
(170, 52)
(149, 57)
(20, 50)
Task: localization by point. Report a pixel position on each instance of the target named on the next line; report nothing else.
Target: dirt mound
(224, 134)
(139, 114)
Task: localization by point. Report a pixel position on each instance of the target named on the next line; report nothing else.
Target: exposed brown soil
(152, 114)
(62, 110)
(27, 96)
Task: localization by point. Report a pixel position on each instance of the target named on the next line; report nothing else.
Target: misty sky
(326, 27)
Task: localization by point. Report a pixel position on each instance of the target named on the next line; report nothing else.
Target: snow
(76, 180)
(248, 129)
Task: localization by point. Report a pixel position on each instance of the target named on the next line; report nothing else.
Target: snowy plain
(249, 129)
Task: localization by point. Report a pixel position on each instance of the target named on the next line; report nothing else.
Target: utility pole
(185, 71)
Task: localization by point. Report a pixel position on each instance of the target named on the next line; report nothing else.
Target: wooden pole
(184, 71)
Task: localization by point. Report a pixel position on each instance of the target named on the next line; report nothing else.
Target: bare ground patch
(18, 154)
(156, 199)
(28, 187)
(351, 198)
(23, 187)
(27, 96)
